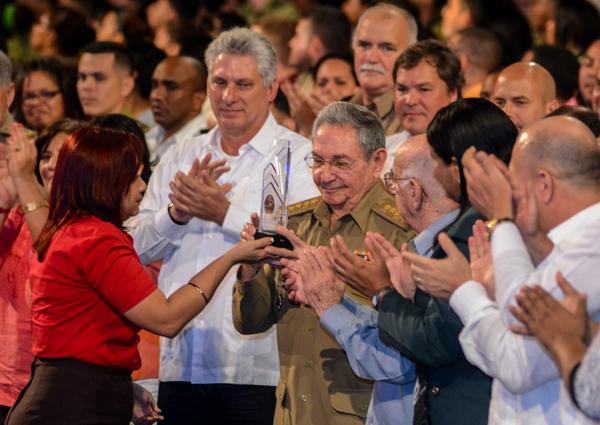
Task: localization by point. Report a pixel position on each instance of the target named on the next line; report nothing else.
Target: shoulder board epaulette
(386, 208)
(303, 206)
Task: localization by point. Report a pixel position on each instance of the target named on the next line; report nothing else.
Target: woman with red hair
(90, 293)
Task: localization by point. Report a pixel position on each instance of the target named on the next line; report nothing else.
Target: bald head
(526, 92)
(422, 199)
(563, 146)
(413, 159)
(178, 90)
(191, 68)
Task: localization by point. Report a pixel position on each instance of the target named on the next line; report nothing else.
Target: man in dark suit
(425, 329)
(451, 391)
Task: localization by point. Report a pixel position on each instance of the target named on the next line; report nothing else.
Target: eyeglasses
(44, 95)
(340, 165)
(392, 182)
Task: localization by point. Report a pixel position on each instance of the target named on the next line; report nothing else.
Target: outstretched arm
(166, 316)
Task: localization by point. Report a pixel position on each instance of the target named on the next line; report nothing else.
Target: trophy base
(278, 240)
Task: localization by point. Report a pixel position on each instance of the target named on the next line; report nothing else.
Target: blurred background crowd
(437, 78)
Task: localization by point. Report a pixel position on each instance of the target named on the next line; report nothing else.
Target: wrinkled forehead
(382, 28)
(333, 140)
(235, 66)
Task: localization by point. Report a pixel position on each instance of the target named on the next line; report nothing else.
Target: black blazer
(427, 332)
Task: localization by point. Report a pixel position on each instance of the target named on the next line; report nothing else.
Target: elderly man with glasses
(317, 384)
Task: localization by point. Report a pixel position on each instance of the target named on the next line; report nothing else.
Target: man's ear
(379, 157)
(544, 186)
(416, 194)
(198, 100)
(551, 106)
(127, 85)
(272, 90)
(453, 95)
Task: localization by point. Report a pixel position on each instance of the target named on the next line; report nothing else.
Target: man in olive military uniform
(317, 385)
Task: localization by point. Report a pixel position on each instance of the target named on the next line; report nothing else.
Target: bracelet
(200, 291)
(180, 223)
(33, 206)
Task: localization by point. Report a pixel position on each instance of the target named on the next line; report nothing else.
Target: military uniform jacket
(317, 385)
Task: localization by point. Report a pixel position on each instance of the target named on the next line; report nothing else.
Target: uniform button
(435, 390)
(304, 398)
(307, 363)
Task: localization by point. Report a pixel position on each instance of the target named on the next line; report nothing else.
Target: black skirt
(71, 392)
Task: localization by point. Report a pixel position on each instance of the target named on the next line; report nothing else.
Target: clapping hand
(480, 253)
(488, 184)
(8, 191)
(440, 277)
(290, 273)
(197, 194)
(300, 110)
(548, 319)
(562, 327)
(22, 154)
(366, 275)
(398, 266)
(321, 288)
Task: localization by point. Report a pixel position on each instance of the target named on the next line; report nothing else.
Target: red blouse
(16, 253)
(90, 276)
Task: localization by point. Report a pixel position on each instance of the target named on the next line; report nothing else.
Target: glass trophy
(273, 208)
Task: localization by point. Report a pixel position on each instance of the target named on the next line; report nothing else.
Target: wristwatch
(493, 223)
(376, 300)
(179, 223)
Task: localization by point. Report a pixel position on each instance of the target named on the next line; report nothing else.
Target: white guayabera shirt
(209, 350)
(527, 387)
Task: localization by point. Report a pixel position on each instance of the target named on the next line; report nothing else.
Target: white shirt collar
(425, 240)
(261, 142)
(574, 223)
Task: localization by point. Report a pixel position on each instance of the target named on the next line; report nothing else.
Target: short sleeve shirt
(89, 277)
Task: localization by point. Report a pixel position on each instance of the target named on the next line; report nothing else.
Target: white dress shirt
(209, 349)
(158, 145)
(392, 143)
(527, 387)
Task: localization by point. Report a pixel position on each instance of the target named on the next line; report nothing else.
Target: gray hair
(367, 125)
(389, 11)
(243, 42)
(5, 70)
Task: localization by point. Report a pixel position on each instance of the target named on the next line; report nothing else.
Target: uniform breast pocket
(352, 402)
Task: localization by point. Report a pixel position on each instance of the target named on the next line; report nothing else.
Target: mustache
(372, 68)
